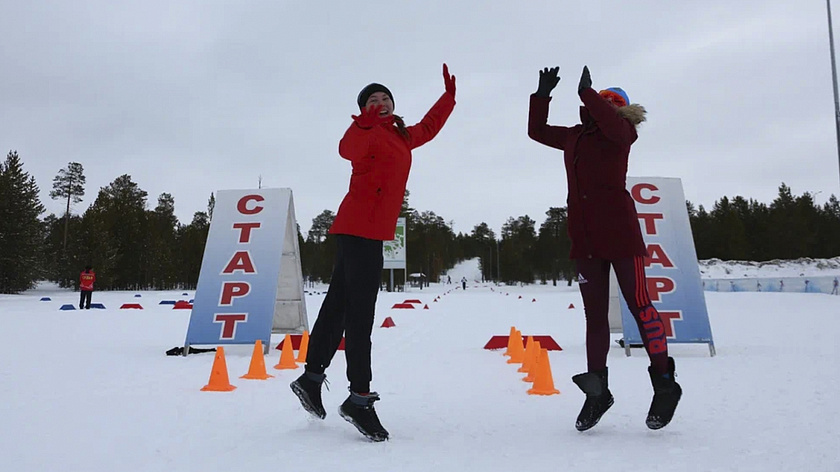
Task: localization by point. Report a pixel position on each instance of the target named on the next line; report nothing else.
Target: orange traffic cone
(532, 366)
(517, 350)
(287, 355)
(257, 369)
(303, 349)
(219, 381)
(529, 354)
(510, 340)
(544, 382)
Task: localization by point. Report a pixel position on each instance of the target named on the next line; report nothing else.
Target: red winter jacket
(602, 216)
(86, 280)
(381, 160)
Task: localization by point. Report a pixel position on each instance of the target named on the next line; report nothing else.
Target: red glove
(369, 117)
(448, 81)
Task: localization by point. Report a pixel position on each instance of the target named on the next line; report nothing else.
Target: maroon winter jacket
(602, 216)
(381, 160)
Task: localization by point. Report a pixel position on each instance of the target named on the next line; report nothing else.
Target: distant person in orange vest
(86, 280)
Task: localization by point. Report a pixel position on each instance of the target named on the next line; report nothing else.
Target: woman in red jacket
(604, 229)
(378, 144)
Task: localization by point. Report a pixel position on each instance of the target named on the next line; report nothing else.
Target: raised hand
(548, 80)
(448, 81)
(585, 80)
(369, 117)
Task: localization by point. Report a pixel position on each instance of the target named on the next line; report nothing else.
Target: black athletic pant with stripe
(594, 277)
(348, 310)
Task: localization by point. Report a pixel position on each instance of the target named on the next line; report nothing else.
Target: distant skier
(781, 285)
(464, 283)
(604, 229)
(86, 280)
(834, 286)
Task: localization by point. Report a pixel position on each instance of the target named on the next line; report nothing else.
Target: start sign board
(673, 276)
(250, 283)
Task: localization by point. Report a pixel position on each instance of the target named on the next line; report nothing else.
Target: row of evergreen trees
(134, 248)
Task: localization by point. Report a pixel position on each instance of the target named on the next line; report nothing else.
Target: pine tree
(320, 247)
(191, 240)
(120, 210)
(485, 244)
(163, 225)
(21, 231)
(69, 184)
(553, 247)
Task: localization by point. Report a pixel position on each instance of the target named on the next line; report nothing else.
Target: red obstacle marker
(403, 306)
(413, 300)
(533, 300)
(388, 323)
(135, 306)
(501, 342)
(182, 305)
(571, 305)
(426, 307)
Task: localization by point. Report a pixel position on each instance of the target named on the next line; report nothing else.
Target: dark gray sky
(190, 97)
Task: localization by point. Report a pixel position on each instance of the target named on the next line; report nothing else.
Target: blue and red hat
(616, 95)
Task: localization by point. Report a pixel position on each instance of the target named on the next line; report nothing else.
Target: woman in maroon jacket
(378, 144)
(604, 229)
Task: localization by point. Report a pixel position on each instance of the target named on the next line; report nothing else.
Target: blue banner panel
(673, 275)
(237, 287)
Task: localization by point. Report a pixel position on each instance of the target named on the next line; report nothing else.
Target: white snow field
(93, 391)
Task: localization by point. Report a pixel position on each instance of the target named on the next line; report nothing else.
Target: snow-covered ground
(93, 391)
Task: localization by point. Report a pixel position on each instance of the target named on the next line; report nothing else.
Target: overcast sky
(189, 97)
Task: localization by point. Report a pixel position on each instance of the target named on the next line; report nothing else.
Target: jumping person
(378, 144)
(86, 280)
(604, 230)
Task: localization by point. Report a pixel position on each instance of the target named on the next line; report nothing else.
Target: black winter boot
(358, 410)
(598, 398)
(307, 387)
(666, 396)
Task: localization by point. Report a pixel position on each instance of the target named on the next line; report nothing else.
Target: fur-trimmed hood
(634, 113)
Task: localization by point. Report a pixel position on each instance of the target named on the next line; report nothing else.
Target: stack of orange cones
(543, 381)
(517, 350)
(257, 369)
(529, 355)
(219, 381)
(532, 362)
(303, 349)
(287, 355)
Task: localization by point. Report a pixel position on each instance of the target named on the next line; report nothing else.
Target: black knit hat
(370, 90)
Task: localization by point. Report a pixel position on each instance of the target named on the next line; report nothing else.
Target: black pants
(594, 281)
(348, 310)
(84, 299)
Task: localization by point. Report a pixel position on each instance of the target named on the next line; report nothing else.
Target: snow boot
(358, 410)
(666, 396)
(307, 387)
(598, 398)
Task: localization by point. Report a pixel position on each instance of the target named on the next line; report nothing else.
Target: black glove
(585, 80)
(548, 80)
